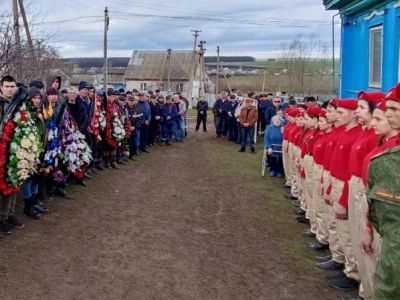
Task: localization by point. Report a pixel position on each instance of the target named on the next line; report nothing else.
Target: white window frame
(371, 30)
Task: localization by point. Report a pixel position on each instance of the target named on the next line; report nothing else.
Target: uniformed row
(328, 157)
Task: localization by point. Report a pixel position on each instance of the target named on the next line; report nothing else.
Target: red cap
(300, 114)
(313, 111)
(374, 97)
(394, 94)
(351, 104)
(382, 105)
(322, 113)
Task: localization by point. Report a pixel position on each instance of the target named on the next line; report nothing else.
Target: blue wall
(355, 51)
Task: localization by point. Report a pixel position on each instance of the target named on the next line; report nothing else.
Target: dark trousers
(133, 148)
(276, 164)
(248, 135)
(201, 118)
(221, 127)
(144, 134)
(239, 131)
(232, 129)
(153, 131)
(167, 129)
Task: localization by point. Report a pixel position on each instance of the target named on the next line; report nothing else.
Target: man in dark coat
(202, 108)
(154, 129)
(8, 220)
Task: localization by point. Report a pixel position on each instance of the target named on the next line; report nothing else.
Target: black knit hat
(33, 92)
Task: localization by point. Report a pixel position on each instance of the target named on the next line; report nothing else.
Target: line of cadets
(148, 118)
(327, 154)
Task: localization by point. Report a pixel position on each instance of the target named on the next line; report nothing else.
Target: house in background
(177, 71)
(369, 45)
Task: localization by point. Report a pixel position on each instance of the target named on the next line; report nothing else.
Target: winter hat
(52, 91)
(37, 84)
(33, 92)
(83, 85)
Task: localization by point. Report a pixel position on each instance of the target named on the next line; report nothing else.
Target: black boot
(29, 209)
(39, 205)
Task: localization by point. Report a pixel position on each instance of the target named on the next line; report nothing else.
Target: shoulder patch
(387, 195)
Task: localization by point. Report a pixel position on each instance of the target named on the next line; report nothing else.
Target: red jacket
(308, 142)
(333, 137)
(366, 143)
(339, 164)
(319, 147)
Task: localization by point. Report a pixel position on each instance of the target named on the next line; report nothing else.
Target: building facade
(369, 45)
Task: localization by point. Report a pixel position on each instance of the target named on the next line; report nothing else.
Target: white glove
(270, 151)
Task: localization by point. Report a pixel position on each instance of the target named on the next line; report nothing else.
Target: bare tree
(303, 57)
(21, 61)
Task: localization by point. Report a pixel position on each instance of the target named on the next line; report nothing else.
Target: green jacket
(383, 192)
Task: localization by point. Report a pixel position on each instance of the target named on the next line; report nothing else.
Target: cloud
(251, 27)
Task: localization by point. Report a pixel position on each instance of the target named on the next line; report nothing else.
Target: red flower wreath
(5, 188)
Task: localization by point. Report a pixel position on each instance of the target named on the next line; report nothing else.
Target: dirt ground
(191, 221)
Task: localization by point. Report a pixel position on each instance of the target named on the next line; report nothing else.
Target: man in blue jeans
(248, 119)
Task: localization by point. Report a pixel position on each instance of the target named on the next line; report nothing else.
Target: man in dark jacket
(202, 108)
(83, 102)
(232, 126)
(221, 106)
(154, 129)
(144, 131)
(271, 111)
(135, 115)
(8, 220)
(169, 113)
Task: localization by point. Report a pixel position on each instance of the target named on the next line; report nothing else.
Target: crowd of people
(52, 137)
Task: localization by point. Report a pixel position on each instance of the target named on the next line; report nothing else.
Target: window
(179, 87)
(143, 86)
(375, 57)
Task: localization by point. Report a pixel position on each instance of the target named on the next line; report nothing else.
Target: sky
(257, 28)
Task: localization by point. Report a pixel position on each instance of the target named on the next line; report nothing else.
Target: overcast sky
(253, 27)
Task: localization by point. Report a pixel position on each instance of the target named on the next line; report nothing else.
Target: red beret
(334, 102)
(374, 97)
(293, 112)
(313, 111)
(300, 114)
(381, 105)
(302, 106)
(351, 104)
(322, 113)
(394, 94)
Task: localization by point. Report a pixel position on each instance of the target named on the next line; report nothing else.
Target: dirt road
(189, 221)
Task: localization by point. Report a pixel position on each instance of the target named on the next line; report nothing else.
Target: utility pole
(169, 69)
(105, 65)
(27, 31)
(16, 24)
(201, 52)
(196, 35)
(217, 81)
(265, 73)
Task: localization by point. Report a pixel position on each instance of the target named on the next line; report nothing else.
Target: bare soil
(190, 221)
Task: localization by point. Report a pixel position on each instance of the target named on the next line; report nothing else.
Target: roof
(120, 71)
(153, 65)
(352, 7)
(77, 78)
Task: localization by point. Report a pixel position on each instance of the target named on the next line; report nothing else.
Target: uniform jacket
(248, 115)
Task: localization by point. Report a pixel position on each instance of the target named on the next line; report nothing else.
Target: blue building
(369, 45)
